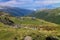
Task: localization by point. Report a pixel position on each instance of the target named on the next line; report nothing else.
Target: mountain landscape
(17, 23)
(15, 11)
(50, 15)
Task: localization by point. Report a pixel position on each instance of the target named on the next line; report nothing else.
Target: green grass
(31, 21)
(9, 33)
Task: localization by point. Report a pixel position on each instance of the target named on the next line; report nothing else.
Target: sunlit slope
(51, 15)
(31, 20)
(8, 32)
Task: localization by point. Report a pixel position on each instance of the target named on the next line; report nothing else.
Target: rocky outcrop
(6, 21)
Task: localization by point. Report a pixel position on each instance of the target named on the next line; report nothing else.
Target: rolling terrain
(12, 27)
(50, 15)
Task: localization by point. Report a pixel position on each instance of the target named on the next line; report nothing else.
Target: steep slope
(31, 26)
(51, 15)
(9, 33)
(15, 11)
(24, 21)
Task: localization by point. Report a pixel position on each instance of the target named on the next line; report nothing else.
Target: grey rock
(28, 38)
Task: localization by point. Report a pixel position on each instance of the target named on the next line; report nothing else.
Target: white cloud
(29, 2)
(47, 2)
(38, 2)
(9, 3)
(16, 2)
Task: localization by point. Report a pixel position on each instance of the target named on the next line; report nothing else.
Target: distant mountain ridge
(15, 11)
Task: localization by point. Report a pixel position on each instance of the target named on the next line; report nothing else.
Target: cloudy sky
(31, 4)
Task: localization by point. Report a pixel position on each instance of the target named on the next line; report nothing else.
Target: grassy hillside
(9, 33)
(30, 20)
(51, 15)
(19, 27)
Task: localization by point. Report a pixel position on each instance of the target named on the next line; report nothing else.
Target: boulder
(28, 38)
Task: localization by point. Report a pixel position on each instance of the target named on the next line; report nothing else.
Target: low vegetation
(21, 27)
